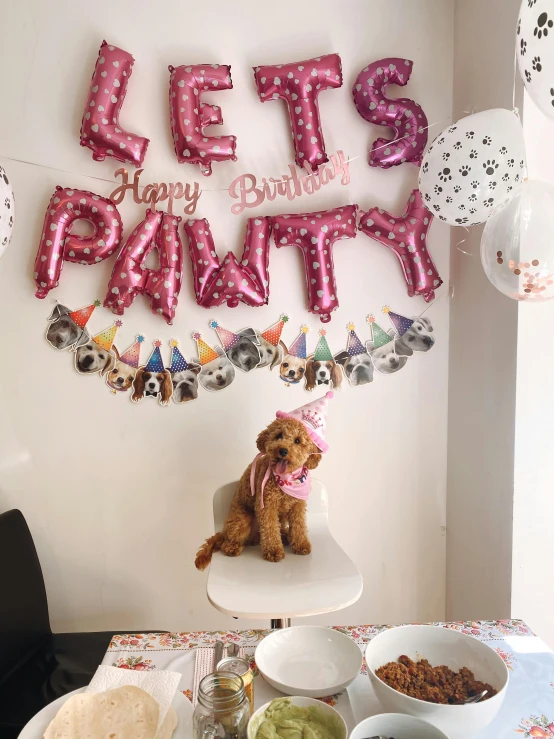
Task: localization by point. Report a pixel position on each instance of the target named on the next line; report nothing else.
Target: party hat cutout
(155, 363)
(400, 323)
(205, 352)
(322, 352)
(298, 347)
(380, 337)
(82, 315)
(106, 337)
(354, 346)
(314, 417)
(178, 362)
(273, 333)
(228, 338)
(131, 356)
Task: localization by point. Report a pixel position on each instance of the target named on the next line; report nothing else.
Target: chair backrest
(317, 502)
(24, 621)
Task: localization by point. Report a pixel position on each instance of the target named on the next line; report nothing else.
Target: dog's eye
(411, 338)
(270, 352)
(279, 436)
(297, 440)
(285, 364)
(89, 347)
(101, 356)
(301, 370)
(350, 368)
(210, 373)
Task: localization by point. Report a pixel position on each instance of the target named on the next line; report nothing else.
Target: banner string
(218, 189)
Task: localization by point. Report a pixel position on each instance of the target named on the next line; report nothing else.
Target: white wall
(533, 562)
(483, 347)
(118, 497)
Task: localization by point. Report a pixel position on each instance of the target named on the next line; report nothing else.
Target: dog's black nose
(151, 385)
(322, 373)
(87, 361)
(120, 380)
(291, 373)
(283, 452)
(428, 341)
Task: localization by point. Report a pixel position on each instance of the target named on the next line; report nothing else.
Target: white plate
(39, 723)
(311, 661)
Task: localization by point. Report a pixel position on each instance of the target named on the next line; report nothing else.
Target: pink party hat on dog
(314, 417)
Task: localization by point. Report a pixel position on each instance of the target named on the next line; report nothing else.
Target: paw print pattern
(472, 198)
(493, 185)
(511, 163)
(523, 47)
(7, 203)
(458, 145)
(473, 154)
(449, 199)
(470, 135)
(446, 156)
(445, 175)
(487, 141)
(475, 184)
(436, 207)
(465, 170)
(442, 218)
(427, 197)
(552, 95)
(461, 207)
(452, 129)
(438, 189)
(505, 177)
(473, 210)
(462, 221)
(537, 66)
(517, 178)
(426, 166)
(503, 150)
(457, 189)
(530, 3)
(544, 25)
(490, 166)
(441, 140)
(521, 164)
(528, 76)
(489, 202)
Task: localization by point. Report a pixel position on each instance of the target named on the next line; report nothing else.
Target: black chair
(36, 666)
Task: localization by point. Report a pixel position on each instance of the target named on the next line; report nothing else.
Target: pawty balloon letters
(231, 281)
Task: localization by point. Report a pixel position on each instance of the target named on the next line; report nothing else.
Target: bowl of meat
(449, 679)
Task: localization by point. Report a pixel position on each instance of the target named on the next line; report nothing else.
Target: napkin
(160, 684)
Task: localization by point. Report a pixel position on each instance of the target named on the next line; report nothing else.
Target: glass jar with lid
(222, 710)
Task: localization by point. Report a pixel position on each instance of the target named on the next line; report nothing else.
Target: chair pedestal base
(280, 623)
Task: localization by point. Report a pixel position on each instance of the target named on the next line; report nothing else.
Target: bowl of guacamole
(296, 718)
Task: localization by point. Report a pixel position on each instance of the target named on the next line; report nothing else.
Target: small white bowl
(441, 647)
(312, 661)
(258, 716)
(396, 725)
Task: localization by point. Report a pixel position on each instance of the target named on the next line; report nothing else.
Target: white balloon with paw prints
(535, 52)
(473, 166)
(7, 211)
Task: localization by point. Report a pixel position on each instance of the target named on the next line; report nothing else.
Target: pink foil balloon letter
(232, 282)
(130, 276)
(407, 238)
(315, 234)
(299, 85)
(100, 128)
(405, 117)
(189, 116)
(58, 245)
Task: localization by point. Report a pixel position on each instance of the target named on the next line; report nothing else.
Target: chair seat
(62, 663)
(249, 587)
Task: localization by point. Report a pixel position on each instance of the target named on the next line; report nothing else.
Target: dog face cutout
(245, 354)
(122, 376)
(417, 338)
(217, 374)
(386, 359)
(292, 369)
(152, 385)
(63, 332)
(91, 358)
(185, 383)
(357, 369)
(270, 355)
(325, 372)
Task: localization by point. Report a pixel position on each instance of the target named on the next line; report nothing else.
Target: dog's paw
(231, 549)
(303, 547)
(274, 555)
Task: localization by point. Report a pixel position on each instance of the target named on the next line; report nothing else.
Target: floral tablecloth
(528, 710)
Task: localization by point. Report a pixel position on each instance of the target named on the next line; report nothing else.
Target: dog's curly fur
(283, 518)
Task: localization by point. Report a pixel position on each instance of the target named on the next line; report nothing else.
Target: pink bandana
(297, 484)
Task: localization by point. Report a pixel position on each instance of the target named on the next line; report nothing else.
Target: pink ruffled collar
(297, 484)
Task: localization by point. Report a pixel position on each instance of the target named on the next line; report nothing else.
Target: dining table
(527, 711)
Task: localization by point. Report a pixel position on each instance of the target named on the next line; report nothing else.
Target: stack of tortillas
(127, 712)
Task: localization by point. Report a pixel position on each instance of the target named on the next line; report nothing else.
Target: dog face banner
(321, 367)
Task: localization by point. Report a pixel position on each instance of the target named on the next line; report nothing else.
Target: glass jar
(222, 710)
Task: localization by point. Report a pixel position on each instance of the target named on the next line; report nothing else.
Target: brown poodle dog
(287, 447)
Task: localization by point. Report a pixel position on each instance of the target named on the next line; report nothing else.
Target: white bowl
(312, 661)
(441, 647)
(396, 725)
(258, 716)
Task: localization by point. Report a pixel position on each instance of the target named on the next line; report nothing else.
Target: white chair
(249, 587)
